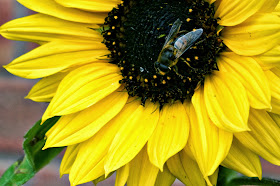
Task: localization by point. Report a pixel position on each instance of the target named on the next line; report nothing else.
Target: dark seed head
(135, 33)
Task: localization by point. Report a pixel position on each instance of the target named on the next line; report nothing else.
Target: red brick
(17, 114)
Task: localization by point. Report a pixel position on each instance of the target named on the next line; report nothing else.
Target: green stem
(254, 181)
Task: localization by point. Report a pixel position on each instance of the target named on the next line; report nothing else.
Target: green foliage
(35, 158)
(225, 176)
(228, 177)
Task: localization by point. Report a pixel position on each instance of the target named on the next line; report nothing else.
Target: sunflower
(218, 105)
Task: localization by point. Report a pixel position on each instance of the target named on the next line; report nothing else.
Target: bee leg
(185, 61)
(182, 31)
(175, 69)
(197, 43)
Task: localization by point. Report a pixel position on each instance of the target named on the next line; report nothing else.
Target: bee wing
(173, 31)
(183, 43)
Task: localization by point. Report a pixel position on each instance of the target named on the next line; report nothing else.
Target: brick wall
(17, 115)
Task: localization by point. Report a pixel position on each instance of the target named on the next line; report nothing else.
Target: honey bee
(174, 47)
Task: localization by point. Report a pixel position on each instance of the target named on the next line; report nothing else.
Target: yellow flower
(220, 107)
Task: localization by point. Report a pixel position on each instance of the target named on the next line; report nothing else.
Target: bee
(174, 47)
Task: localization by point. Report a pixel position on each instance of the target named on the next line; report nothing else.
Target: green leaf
(253, 181)
(228, 177)
(35, 158)
(225, 176)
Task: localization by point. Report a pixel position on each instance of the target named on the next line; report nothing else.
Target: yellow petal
(275, 117)
(43, 61)
(89, 5)
(82, 88)
(45, 89)
(275, 103)
(95, 171)
(100, 179)
(226, 102)
(251, 75)
(86, 123)
(122, 175)
(277, 10)
(50, 7)
(211, 1)
(232, 13)
(141, 171)
(243, 160)
(269, 5)
(264, 138)
(135, 131)
(273, 77)
(185, 169)
(89, 164)
(165, 178)
(170, 135)
(99, 145)
(270, 58)
(214, 177)
(41, 28)
(209, 144)
(254, 36)
(68, 159)
(210, 180)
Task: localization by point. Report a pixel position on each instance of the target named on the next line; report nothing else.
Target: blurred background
(17, 114)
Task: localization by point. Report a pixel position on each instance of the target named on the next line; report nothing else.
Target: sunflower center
(135, 32)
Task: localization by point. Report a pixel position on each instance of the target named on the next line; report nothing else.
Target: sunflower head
(135, 33)
(126, 97)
